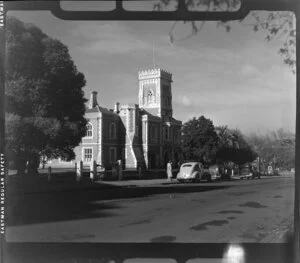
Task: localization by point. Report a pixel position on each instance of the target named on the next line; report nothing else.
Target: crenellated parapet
(129, 106)
(155, 73)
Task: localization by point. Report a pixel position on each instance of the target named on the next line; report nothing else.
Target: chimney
(93, 100)
(117, 108)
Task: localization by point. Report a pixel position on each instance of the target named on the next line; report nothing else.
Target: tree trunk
(33, 164)
(21, 163)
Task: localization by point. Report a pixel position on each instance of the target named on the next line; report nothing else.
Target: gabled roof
(144, 112)
(174, 120)
(101, 110)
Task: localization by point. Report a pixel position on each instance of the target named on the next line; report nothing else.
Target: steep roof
(102, 110)
(144, 112)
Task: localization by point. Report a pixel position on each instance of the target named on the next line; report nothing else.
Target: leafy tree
(273, 24)
(199, 140)
(233, 147)
(244, 152)
(226, 146)
(45, 103)
(277, 147)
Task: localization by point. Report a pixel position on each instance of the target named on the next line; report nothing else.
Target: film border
(177, 251)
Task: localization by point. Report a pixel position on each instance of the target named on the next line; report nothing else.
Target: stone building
(143, 135)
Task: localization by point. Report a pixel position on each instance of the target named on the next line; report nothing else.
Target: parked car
(273, 171)
(249, 172)
(192, 172)
(255, 172)
(225, 173)
(276, 172)
(214, 173)
(270, 170)
(245, 172)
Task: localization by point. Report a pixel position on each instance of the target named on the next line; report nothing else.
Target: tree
(244, 152)
(233, 147)
(277, 147)
(273, 24)
(199, 140)
(45, 104)
(226, 146)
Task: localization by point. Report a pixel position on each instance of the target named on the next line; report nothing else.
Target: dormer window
(89, 130)
(112, 131)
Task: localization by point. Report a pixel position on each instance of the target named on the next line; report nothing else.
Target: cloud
(183, 100)
(248, 70)
(112, 38)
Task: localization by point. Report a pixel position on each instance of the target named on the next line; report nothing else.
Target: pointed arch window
(89, 130)
(150, 97)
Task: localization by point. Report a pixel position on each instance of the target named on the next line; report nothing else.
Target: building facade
(140, 135)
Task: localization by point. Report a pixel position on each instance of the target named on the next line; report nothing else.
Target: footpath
(67, 183)
(41, 184)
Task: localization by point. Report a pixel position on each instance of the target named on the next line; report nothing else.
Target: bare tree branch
(276, 25)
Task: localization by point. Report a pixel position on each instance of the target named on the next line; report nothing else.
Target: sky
(236, 79)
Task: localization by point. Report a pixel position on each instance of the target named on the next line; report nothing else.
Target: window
(166, 133)
(89, 130)
(150, 97)
(153, 133)
(112, 131)
(112, 155)
(87, 155)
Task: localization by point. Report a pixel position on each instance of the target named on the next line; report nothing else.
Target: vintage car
(245, 172)
(192, 172)
(270, 170)
(214, 173)
(249, 172)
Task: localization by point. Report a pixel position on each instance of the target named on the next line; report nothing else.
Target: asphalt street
(235, 211)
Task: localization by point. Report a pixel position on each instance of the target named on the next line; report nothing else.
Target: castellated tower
(155, 93)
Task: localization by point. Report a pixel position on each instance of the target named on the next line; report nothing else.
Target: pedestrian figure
(140, 172)
(119, 169)
(49, 173)
(43, 163)
(114, 170)
(169, 171)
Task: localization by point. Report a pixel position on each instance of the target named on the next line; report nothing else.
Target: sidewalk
(140, 183)
(40, 184)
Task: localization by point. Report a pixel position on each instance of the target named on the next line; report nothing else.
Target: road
(235, 211)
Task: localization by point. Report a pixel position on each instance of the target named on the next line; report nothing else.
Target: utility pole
(153, 54)
(297, 154)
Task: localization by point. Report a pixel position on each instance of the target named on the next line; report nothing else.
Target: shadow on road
(31, 208)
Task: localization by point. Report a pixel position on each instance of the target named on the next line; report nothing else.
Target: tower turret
(155, 93)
